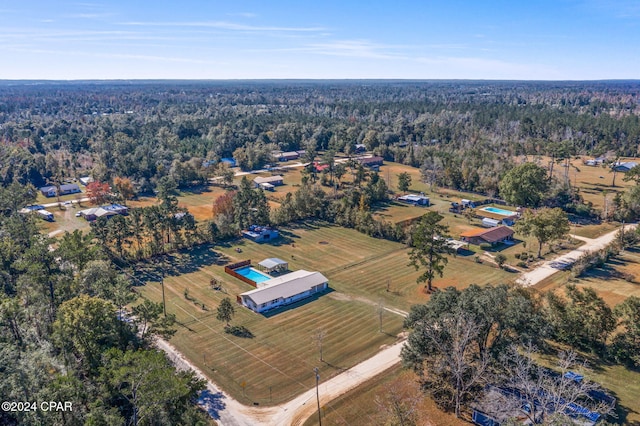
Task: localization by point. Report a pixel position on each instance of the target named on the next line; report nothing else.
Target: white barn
(284, 290)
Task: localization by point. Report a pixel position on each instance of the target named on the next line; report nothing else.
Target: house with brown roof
(371, 161)
(271, 180)
(491, 236)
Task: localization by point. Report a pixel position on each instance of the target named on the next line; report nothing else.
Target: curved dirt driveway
(565, 261)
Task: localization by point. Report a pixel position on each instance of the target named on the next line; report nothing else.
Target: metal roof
(285, 286)
(272, 262)
(269, 179)
(490, 235)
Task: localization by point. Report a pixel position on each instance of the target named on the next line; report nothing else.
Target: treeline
(468, 132)
(65, 337)
(464, 344)
(351, 208)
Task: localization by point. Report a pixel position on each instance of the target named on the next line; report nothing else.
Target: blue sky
(427, 39)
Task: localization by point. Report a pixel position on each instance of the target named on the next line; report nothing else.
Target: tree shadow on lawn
(463, 252)
(212, 403)
(175, 264)
(309, 225)
(384, 206)
(273, 312)
(288, 234)
(194, 190)
(502, 246)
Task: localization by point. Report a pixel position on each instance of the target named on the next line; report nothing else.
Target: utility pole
(164, 302)
(315, 370)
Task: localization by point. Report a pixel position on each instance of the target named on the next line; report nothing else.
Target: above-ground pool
(252, 274)
(498, 211)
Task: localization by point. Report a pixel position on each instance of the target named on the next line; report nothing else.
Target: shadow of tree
(175, 264)
(315, 296)
(212, 402)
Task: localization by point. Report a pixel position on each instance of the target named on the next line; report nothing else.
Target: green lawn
(282, 354)
(278, 362)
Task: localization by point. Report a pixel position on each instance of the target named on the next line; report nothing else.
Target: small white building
(624, 167)
(467, 204)
(284, 290)
(86, 180)
(490, 223)
(415, 199)
(273, 264)
(266, 186)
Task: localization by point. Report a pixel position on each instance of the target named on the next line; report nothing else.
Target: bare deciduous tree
(549, 396)
(398, 403)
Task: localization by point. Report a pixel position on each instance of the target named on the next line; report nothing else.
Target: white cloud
(243, 14)
(224, 25)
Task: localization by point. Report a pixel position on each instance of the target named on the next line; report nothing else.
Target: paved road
(565, 261)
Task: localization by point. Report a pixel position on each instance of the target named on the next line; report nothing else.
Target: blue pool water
(252, 274)
(498, 211)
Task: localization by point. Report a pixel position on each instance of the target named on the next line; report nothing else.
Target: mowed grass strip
(313, 246)
(370, 279)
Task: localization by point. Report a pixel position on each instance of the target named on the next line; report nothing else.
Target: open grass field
(611, 287)
(282, 354)
(592, 181)
(358, 407)
(277, 363)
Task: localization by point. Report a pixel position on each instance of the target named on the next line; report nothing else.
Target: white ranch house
(284, 290)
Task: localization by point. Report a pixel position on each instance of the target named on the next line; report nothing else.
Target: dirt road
(565, 261)
(229, 412)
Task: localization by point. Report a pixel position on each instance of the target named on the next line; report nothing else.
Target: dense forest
(63, 333)
(465, 134)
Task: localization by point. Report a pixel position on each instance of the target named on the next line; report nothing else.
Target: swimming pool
(498, 211)
(252, 274)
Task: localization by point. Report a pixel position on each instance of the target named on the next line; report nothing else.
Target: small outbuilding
(287, 156)
(273, 264)
(86, 180)
(371, 161)
(490, 223)
(467, 204)
(230, 161)
(46, 215)
(260, 234)
(624, 167)
(415, 199)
